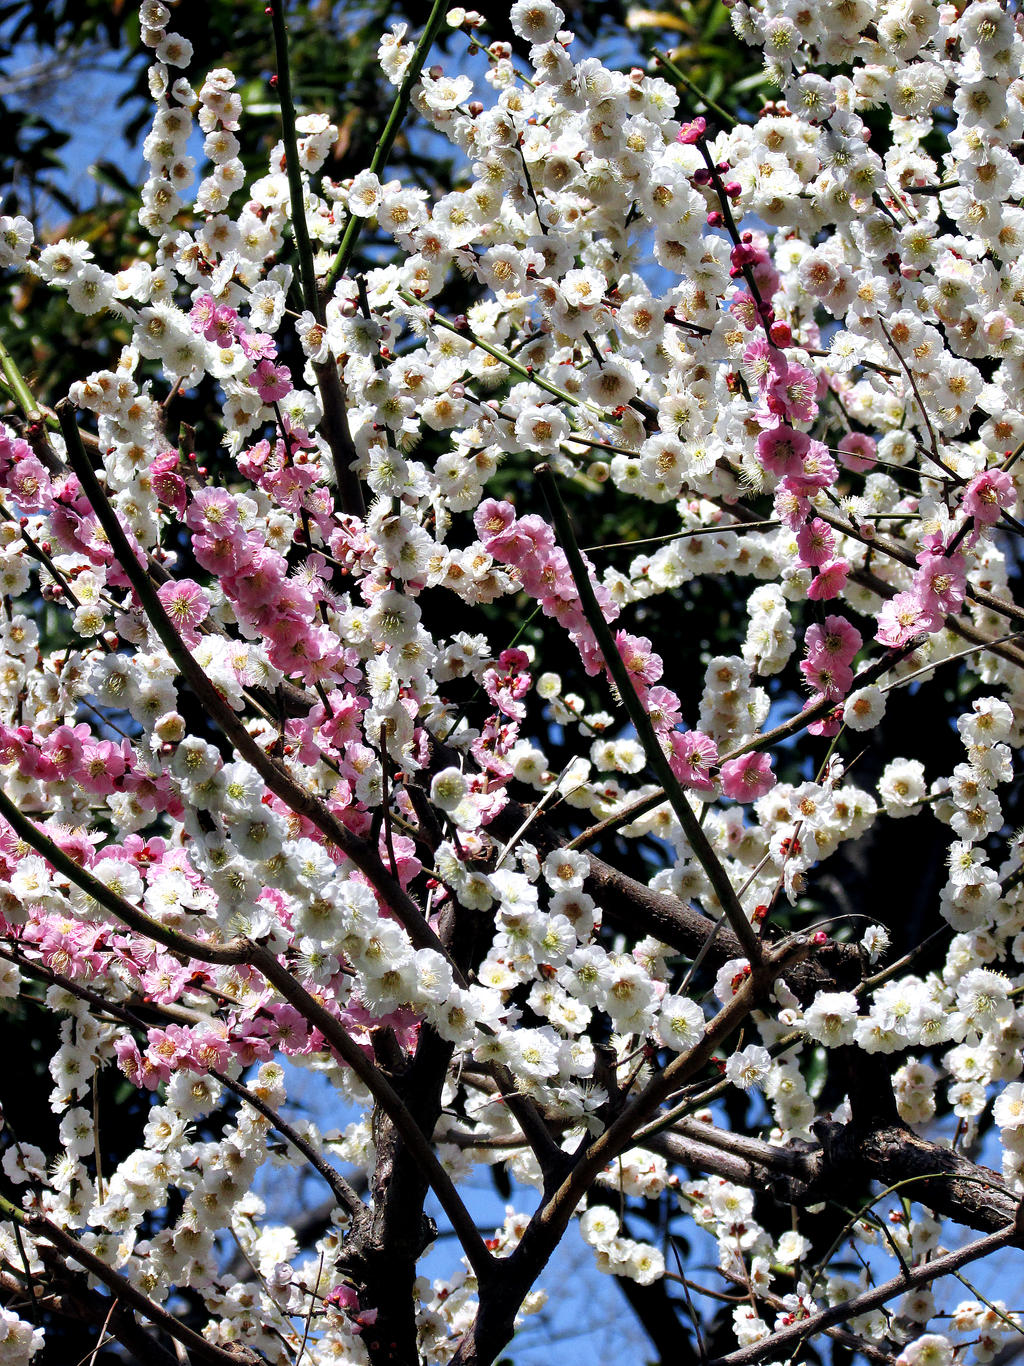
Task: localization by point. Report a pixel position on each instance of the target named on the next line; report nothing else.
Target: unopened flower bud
(170, 728)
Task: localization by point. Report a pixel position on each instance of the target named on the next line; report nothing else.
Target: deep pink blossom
(781, 450)
(793, 396)
(272, 382)
(693, 131)
(815, 542)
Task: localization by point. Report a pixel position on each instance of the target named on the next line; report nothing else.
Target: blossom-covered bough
(249, 823)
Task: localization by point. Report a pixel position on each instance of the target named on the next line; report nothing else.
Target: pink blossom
(828, 677)
(62, 749)
(130, 1061)
(748, 777)
(101, 765)
(829, 581)
(857, 452)
(272, 382)
(941, 582)
(29, 484)
(216, 322)
(187, 605)
(223, 327)
(815, 542)
(13, 449)
(693, 131)
(252, 461)
(835, 638)
(165, 979)
(781, 450)
(257, 345)
(902, 618)
(790, 508)
(819, 472)
(742, 254)
(168, 485)
(212, 511)
(793, 396)
(828, 725)
(508, 683)
(342, 1297)
(693, 755)
(202, 313)
(664, 709)
(287, 485)
(221, 555)
(763, 362)
(987, 495)
(644, 666)
(17, 746)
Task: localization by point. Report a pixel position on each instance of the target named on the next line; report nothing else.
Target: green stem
(36, 419)
(656, 757)
(684, 80)
(20, 391)
(436, 320)
(382, 151)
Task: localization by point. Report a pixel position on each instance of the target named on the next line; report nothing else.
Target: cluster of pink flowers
(528, 545)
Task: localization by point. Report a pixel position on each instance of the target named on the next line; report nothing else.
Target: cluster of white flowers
(627, 327)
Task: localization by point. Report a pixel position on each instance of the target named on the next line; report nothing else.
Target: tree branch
(787, 1340)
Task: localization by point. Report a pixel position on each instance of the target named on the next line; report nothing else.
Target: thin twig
(656, 757)
(770, 1348)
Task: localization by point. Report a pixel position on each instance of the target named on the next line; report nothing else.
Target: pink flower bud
(691, 133)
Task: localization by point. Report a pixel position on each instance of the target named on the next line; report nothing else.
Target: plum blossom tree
(267, 805)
